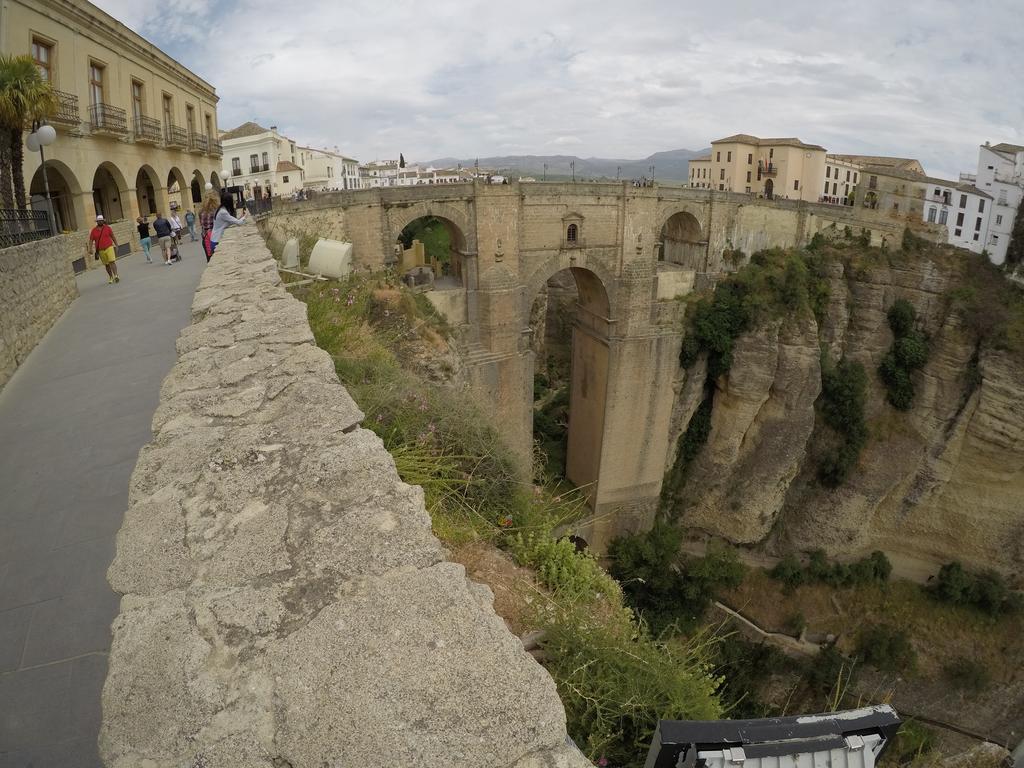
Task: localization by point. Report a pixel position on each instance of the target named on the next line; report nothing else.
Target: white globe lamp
(47, 135)
(225, 174)
(209, 186)
(32, 142)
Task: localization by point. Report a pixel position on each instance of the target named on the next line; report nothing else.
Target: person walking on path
(207, 214)
(224, 219)
(103, 240)
(190, 222)
(162, 227)
(144, 239)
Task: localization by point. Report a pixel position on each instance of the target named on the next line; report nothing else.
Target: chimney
(273, 127)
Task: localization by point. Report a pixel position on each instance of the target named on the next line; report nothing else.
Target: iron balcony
(197, 142)
(146, 130)
(216, 148)
(67, 109)
(175, 136)
(104, 118)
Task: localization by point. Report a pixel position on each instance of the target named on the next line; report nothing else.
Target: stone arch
(682, 241)
(110, 192)
(588, 375)
(215, 180)
(149, 192)
(398, 218)
(65, 195)
(197, 185)
(457, 237)
(176, 188)
(567, 260)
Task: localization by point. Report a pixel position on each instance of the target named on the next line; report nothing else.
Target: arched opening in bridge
(569, 320)
(108, 187)
(433, 242)
(682, 242)
(64, 192)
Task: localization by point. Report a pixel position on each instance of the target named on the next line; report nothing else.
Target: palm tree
(25, 97)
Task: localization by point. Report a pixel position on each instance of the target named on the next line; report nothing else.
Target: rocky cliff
(942, 481)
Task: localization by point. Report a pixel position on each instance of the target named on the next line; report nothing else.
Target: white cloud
(929, 79)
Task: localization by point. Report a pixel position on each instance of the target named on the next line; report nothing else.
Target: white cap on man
(99, 217)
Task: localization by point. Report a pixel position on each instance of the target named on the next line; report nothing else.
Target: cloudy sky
(930, 79)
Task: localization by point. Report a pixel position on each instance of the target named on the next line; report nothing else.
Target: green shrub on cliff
(986, 590)
(843, 395)
(909, 352)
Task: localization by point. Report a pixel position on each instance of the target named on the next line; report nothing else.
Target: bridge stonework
(512, 238)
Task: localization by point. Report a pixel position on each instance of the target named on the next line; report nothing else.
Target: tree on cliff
(1015, 251)
(24, 97)
(401, 160)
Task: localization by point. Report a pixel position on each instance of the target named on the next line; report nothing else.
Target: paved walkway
(72, 421)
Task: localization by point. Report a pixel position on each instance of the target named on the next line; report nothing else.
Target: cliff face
(943, 481)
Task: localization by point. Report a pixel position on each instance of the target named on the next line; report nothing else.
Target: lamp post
(572, 165)
(43, 136)
(545, 171)
(652, 175)
(225, 174)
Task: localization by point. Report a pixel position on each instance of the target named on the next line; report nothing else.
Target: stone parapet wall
(285, 603)
(36, 285)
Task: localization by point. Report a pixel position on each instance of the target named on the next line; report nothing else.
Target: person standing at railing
(190, 222)
(144, 240)
(207, 215)
(225, 218)
(104, 241)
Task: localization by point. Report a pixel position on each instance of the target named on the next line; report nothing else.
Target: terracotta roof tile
(245, 129)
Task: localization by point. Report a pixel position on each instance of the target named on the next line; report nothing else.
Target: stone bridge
(632, 251)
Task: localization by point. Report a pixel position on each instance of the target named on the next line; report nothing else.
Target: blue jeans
(146, 243)
(192, 231)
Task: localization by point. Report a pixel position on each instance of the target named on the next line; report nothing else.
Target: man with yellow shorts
(104, 241)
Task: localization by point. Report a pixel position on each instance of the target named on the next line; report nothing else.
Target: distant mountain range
(672, 165)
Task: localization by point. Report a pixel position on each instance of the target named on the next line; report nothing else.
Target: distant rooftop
(922, 178)
(287, 165)
(746, 138)
(1011, 149)
(245, 129)
(903, 163)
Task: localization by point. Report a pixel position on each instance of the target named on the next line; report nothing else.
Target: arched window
(931, 214)
(572, 233)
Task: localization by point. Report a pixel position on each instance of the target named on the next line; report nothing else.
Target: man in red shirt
(103, 240)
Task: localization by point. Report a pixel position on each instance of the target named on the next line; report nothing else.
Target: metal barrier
(17, 226)
(260, 207)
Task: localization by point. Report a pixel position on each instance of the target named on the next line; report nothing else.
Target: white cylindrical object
(290, 254)
(331, 258)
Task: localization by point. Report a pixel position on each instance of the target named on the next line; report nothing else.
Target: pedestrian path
(72, 421)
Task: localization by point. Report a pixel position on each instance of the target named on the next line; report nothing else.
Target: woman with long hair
(207, 214)
(225, 218)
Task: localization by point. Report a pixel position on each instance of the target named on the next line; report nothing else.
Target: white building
(379, 173)
(258, 156)
(1001, 175)
(326, 170)
(841, 176)
(962, 208)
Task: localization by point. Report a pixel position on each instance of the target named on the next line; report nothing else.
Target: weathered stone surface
(285, 601)
(941, 482)
(36, 285)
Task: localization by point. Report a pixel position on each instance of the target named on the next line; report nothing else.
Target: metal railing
(175, 136)
(67, 109)
(106, 118)
(216, 148)
(766, 169)
(17, 227)
(259, 207)
(197, 142)
(146, 129)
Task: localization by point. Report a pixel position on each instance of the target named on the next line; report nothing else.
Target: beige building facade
(841, 179)
(784, 168)
(136, 131)
(328, 171)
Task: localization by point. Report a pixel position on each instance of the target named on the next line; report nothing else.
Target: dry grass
(516, 590)
(940, 633)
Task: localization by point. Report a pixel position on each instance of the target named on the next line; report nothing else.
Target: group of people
(216, 214)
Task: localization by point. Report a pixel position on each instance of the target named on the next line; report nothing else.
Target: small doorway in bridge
(569, 324)
(769, 189)
(434, 242)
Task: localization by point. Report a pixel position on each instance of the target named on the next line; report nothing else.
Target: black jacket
(162, 227)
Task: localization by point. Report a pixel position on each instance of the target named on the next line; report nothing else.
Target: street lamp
(43, 136)
(225, 174)
(545, 171)
(572, 165)
(652, 175)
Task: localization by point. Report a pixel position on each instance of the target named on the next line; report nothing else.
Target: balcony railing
(67, 110)
(104, 118)
(766, 169)
(197, 142)
(216, 148)
(236, 171)
(175, 136)
(146, 130)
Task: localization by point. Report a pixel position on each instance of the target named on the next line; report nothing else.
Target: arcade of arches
(119, 193)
